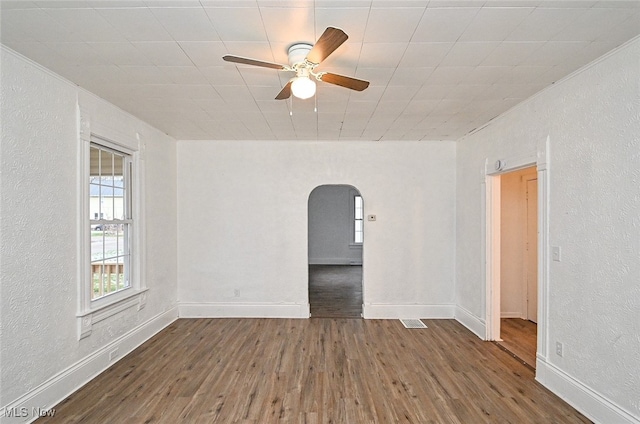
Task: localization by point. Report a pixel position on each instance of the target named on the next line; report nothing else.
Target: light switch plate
(555, 253)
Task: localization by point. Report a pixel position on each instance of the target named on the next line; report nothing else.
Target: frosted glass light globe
(303, 87)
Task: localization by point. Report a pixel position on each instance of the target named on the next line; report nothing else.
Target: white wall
(42, 359)
(242, 219)
(592, 120)
(331, 226)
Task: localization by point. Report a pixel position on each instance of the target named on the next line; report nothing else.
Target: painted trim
(492, 257)
(333, 261)
(243, 310)
(83, 272)
(491, 212)
(544, 251)
(586, 400)
(472, 322)
(512, 314)
(57, 388)
(127, 299)
(402, 311)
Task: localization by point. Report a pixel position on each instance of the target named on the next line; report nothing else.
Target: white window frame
(126, 221)
(93, 311)
(355, 219)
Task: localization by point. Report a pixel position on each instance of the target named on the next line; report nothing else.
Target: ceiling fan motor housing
(298, 52)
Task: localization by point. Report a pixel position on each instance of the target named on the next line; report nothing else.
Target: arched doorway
(335, 230)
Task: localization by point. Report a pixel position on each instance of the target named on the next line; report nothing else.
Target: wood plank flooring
(335, 291)
(519, 336)
(315, 371)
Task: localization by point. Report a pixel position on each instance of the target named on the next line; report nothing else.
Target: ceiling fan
(303, 59)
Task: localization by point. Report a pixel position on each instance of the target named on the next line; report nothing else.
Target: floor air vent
(413, 323)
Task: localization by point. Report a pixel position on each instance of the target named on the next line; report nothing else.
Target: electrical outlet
(558, 348)
(371, 217)
(113, 354)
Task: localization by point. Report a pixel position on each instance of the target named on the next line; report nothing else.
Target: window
(111, 244)
(111, 223)
(358, 234)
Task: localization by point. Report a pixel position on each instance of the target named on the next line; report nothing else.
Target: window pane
(94, 200)
(94, 162)
(358, 207)
(110, 256)
(120, 240)
(106, 163)
(116, 187)
(117, 165)
(117, 198)
(358, 219)
(97, 245)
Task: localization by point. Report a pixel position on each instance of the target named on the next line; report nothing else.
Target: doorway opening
(335, 243)
(516, 250)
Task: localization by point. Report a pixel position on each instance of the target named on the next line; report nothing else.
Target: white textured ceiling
(438, 69)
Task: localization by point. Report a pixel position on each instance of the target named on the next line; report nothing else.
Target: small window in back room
(358, 235)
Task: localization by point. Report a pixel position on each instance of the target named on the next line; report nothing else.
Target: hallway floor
(335, 291)
(519, 337)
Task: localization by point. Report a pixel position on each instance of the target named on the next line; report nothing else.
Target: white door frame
(530, 310)
(493, 169)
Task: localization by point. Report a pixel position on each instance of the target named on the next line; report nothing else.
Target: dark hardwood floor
(324, 370)
(519, 336)
(335, 291)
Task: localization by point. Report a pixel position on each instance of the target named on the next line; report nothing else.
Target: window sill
(123, 301)
(355, 245)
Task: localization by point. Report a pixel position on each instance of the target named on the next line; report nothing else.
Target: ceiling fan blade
(285, 93)
(331, 39)
(341, 80)
(254, 62)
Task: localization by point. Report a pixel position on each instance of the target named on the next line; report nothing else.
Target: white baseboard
(243, 310)
(586, 400)
(57, 388)
(476, 325)
(511, 315)
(333, 261)
(404, 311)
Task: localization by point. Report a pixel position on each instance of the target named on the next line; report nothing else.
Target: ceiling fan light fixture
(303, 87)
(303, 59)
